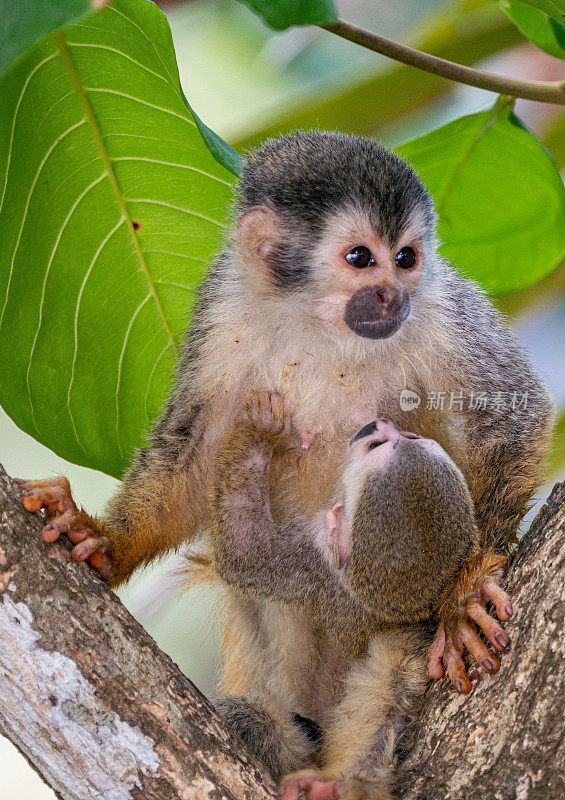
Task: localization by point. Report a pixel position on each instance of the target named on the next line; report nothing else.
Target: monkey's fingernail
(80, 552)
(458, 683)
(49, 527)
(501, 639)
(507, 610)
(489, 665)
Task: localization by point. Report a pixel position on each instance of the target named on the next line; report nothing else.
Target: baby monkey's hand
(464, 607)
(265, 411)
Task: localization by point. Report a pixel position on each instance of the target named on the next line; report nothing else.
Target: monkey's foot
(265, 411)
(311, 785)
(53, 496)
(463, 609)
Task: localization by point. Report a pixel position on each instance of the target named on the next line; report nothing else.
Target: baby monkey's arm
(251, 551)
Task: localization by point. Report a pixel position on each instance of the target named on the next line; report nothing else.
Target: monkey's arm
(508, 418)
(250, 549)
(157, 507)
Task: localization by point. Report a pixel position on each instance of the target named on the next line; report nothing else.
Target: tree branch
(86, 694)
(101, 712)
(542, 91)
(506, 740)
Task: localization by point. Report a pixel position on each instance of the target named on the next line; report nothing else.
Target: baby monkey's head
(404, 524)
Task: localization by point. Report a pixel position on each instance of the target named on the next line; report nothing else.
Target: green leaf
(556, 460)
(281, 14)
(23, 23)
(545, 31)
(553, 8)
(499, 196)
(111, 206)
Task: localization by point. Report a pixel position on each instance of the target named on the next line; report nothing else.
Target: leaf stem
(542, 91)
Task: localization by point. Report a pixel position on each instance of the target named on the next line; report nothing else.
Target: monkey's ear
(257, 238)
(337, 534)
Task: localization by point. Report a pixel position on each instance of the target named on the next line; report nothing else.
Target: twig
(543, 91)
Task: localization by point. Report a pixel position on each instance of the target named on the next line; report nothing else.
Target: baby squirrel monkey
(366, 575)
(330, 290)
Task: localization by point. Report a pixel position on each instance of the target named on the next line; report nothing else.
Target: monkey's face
(405, 526)
(366, 279)
(342, 224)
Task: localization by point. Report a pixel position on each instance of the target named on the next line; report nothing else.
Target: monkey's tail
(197, 569)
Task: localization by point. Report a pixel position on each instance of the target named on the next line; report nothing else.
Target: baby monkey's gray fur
(409, 526)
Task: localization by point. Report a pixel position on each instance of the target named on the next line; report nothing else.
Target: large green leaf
(554, 8)
(281, 14)
(499, 197)
(111, 206)
(545, 31)
(23, 23)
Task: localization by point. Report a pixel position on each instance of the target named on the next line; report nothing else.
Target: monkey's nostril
(381, 296)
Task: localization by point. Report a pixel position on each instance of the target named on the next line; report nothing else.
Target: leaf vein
(98, 138)
(77, 310)
(165, 348)
(41, 302)
(120, 361)
(16, 111)
(100, 90)
(57, 141)
(172, 164)
(150, 201)
(119, 53)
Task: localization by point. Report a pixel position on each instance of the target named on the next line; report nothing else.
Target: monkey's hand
(54, 497)
(313, 786)
(265, 411)
(462, 608)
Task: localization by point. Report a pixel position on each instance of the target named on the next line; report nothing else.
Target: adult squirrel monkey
(331, 291)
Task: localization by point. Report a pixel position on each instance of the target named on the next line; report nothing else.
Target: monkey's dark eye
(360, 257)
(373, 445)
(405, 258)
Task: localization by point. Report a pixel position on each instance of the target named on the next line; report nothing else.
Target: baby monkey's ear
(257, 238)
(338, 540)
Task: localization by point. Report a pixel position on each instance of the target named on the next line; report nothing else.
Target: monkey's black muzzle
(376, 312)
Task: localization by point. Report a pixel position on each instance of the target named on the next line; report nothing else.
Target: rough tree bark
(101, 712)
(86, 694)
(506, 741)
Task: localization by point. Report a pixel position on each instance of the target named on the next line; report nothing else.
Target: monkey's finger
(32, 503)
(310, 788)
(53, 494)
(455, 666)
(435, 654)
(494, 633)
(102, 564)
(58, 525)
(50, 533)
(77, 535)
(292, 785)
(478, 649)
(500, 599)
(91, 545)
(323, 790)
